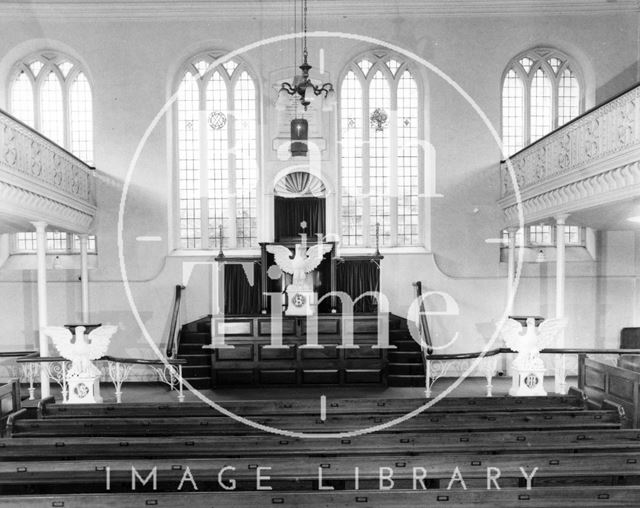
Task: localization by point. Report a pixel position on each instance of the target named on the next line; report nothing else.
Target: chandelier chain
(302, 86)
(304, 27)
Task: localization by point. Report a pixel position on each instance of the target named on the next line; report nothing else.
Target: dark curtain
(290, 212)
(357, 277)
(239, 296)
(322, 283)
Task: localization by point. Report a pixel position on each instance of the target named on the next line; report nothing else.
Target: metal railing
(118, 370)
(436, 366)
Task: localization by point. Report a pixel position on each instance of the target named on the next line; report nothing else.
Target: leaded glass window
(217, 136)
(57, 241)
(380, 125)
(51, 93)
(541, 91)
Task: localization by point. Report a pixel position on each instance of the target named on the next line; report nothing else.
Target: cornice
(27, 205)
(97, 10)
(603, 188)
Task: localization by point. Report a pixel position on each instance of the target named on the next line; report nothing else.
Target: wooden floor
(155, 392)
(140, 453)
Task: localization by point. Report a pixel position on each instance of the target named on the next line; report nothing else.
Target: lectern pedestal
(301, 302)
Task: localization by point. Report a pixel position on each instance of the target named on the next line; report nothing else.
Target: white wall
(132, 64)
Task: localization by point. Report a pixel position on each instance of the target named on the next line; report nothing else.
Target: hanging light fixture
(302, 87)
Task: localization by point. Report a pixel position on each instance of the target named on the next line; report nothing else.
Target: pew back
(10, 402)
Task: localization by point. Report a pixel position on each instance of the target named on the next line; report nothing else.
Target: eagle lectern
(302, 300)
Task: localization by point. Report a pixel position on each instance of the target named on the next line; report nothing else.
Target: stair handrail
(174, 330)
(423, 323)
(425, 338)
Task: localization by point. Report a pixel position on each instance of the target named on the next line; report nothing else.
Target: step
(204, 327)
(399, 332)
(201, 325)
(405, 356)
(191, 371)
(199, 359)
(195, 337)
(405, 345)
(405, 380)
(405, 368)
(189, 348)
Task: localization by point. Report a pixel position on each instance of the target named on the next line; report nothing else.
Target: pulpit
(302, 293)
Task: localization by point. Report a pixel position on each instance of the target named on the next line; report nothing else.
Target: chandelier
(302, 87)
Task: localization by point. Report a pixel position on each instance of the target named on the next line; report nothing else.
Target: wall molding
(97, 10)
(606, 187)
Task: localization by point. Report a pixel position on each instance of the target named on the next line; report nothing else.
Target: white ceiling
(611, 217)
(143, 9)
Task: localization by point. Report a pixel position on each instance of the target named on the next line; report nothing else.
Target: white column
(215, 288)
(41, 245)
(560, 367)
(511, 268)
(511, 276)
(84, 275)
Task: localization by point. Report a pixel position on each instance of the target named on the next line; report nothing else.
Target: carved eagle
(81, 349)
(529, 344)
(304, 261)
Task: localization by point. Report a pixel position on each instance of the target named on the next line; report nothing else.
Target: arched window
(217, 126)
(380, 125)
(542, 90)
(50, 92)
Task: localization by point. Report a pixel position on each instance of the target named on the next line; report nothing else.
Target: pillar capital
(40, 225)
(561, 218)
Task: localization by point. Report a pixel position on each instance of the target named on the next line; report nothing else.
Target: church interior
(319, 253)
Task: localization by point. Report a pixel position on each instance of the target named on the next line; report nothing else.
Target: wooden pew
(294, 473)
(576, 496)
(48, 409)
(79, 448)
(19, 425)
(10, 402)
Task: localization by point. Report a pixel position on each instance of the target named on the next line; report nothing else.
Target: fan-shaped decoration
(298, 184)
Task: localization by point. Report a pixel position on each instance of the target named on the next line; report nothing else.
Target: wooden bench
(19, 425)
(10, 402)
(568, 496)
(48, 409)
(78, 448)
(294, 473)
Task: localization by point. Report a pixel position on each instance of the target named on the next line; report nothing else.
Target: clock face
(298, 300)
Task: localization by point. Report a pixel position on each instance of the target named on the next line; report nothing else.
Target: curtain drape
(356, 277)
(239, 296)
(290, 212)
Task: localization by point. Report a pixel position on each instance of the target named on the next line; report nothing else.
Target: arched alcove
(299, 196)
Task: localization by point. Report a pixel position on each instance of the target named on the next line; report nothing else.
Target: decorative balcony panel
(39, 180)
(593, 160)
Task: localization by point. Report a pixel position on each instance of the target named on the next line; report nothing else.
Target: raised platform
(251, 362)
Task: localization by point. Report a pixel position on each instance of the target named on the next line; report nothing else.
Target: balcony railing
(34, 168)
(592, 155)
